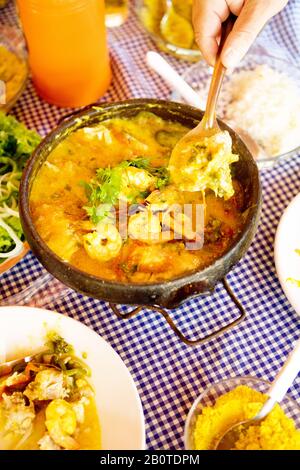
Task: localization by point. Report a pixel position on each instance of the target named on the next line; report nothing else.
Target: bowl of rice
(261, 97)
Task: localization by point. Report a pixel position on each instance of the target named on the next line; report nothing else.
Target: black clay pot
(167, 294)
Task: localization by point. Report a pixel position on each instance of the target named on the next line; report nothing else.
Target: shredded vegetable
(16, 145)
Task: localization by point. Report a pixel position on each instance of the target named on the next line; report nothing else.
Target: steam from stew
(104, 202)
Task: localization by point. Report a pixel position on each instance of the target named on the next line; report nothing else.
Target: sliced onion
(19, 245)
(10, 211)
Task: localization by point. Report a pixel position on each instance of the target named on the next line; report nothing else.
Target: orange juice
(67, 47)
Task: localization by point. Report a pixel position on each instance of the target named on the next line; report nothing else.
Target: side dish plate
(118, 403)
(287, 259)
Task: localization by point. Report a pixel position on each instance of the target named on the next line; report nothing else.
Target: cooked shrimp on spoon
(201, 159)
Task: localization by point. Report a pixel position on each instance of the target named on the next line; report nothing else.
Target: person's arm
(208, 16)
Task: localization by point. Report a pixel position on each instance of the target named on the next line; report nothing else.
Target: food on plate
(265, 103)
(16, 146)
(104, 202)
(49, 404)
(275, 432)
(13, 71)
(296, 282)
(170, 20)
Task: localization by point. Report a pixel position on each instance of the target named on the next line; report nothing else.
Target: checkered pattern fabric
(170, 375)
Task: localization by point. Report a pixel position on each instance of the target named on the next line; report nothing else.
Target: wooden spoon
(183, 174)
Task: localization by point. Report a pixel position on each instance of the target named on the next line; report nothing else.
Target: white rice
(266, 104)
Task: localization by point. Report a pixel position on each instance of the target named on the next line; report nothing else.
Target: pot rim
(70, 123)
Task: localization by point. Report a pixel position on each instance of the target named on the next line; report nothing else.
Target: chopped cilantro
(104, 190)
(163, 177)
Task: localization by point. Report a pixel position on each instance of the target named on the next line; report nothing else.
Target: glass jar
(169, 22)
(67, 48)
(3, 3)
(116, 12)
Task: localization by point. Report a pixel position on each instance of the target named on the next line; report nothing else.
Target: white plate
(287, 261)
(22, 329)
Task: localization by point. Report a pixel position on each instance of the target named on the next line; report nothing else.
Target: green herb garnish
(63, 356)
(163, 177)
(104, 190)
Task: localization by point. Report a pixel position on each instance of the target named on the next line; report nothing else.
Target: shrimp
(169, 202)
(104, 243)
(139, 178)
(135, 180)
(152, 260)
(146, 227)
(61, 424)
(163, 199)
(180, 224)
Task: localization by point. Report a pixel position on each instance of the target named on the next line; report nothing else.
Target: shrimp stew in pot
(104, 202)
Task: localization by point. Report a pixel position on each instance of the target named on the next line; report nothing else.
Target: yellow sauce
(88, 433)
(58, 200)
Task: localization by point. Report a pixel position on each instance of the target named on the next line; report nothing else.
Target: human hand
(208, 16)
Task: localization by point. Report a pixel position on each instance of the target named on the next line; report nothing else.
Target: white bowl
(287, 261)
(23, 329)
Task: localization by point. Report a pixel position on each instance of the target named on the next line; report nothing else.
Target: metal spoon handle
(283, 381)
(209, 118)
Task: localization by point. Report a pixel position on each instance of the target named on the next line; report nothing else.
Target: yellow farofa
(276, 432)
(12, 72)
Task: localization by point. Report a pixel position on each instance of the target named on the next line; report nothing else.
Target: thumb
(251, 20)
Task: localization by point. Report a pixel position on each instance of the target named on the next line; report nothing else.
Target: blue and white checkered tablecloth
(170, 375)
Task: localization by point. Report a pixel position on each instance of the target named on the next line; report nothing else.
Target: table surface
(170, 375)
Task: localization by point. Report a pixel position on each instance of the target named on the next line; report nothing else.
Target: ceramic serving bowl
(167, 294)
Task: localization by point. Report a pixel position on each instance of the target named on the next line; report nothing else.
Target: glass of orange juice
(67, 48)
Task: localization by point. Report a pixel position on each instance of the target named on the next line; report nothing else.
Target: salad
(16, 145)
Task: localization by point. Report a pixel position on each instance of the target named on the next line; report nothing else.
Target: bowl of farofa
(233, 400)
(13, 67)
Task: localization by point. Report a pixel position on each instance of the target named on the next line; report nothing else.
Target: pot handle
(178, 333)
